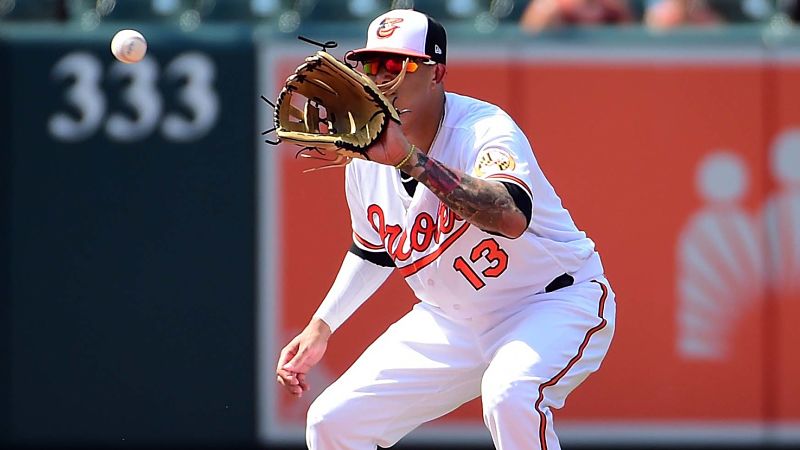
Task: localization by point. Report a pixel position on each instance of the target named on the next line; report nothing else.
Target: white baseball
(128, 46)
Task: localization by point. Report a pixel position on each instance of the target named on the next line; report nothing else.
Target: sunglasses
(393, 65)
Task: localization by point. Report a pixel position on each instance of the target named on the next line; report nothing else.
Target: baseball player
(514, 306)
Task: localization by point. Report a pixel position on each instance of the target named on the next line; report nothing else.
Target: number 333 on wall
(84, 95)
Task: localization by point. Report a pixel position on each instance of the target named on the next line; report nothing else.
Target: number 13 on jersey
(489, 250)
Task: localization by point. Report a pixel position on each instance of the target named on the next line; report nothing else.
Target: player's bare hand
(392, 147)
(300, 355)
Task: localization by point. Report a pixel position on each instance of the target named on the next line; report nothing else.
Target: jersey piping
(366, 244)
(513, 179)
(570, 364)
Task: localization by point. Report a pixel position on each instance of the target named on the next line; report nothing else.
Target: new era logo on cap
(406, 32)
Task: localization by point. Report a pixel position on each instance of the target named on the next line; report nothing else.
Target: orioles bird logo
(387, 27)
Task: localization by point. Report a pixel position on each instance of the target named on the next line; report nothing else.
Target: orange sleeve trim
(513, 179)
(416, 266)
(575, 359)
(364, 243)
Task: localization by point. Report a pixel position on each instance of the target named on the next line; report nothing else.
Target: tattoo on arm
(486, 204)
(439, 178)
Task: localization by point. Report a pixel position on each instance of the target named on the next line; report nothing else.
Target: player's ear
(439, 72)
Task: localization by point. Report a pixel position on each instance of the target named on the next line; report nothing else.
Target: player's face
(417, 84)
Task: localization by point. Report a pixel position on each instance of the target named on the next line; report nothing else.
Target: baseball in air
(128, 46)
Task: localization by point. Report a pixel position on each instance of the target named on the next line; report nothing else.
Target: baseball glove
(330, 110)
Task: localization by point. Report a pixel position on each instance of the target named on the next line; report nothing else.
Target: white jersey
(448, 262)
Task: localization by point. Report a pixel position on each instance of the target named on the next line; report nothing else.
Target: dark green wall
(127, 269)
(5, 267)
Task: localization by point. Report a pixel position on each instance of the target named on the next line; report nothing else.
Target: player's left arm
(487, 204)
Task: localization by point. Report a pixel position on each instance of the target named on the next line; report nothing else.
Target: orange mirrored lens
(392, 65)
(371, 68)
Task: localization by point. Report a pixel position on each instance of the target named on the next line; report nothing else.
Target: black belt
(559, 282)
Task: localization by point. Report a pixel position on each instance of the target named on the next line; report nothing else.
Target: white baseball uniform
(490, 323)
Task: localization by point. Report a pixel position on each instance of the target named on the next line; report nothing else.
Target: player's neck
(425, 127)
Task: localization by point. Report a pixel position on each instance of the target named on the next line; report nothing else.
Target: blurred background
(156, 253)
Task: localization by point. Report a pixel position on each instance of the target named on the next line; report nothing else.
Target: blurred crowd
(655, 14)
(532, 15)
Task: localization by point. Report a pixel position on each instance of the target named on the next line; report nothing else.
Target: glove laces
(391, 86)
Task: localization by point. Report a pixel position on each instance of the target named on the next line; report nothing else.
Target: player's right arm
(364, 269)
(357, 280)
(305, 350)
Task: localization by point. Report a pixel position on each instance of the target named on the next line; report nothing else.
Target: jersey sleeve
(503, 153)
(363, 219)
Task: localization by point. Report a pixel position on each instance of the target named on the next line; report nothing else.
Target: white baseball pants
(522, 363)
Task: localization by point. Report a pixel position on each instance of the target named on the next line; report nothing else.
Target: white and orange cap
(405, 32)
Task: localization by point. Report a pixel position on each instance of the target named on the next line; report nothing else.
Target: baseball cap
(405, 32)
